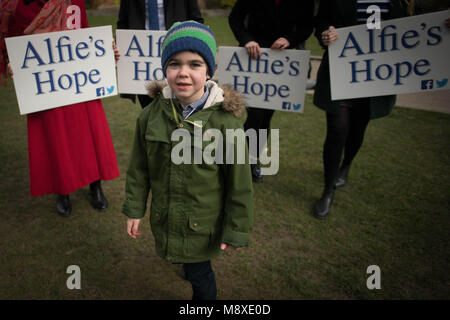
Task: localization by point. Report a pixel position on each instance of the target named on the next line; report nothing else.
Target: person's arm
(324, 20)
(304, 26)
(194, 12)
(137, 186)
(84, 20)
(236, 20)
(122, 22)
(238, 188)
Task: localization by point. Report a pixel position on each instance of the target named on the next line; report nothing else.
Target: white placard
(61, 68)
(140, 59)
(277, 80)
(405, 55)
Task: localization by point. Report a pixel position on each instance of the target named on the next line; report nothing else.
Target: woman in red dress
(71, 146)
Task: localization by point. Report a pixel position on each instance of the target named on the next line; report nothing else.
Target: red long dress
(71, 146)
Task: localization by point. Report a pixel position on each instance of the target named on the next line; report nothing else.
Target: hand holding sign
(280, 44)
(329, 36)
(253, 49)
(116, 52)
(10, 72)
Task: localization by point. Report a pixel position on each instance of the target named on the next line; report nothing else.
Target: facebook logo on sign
(427, 84)
(100, 92)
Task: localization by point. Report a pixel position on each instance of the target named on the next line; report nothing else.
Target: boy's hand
(227, 247)
(280, 44)
(133, 227)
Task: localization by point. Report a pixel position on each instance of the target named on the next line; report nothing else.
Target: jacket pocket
(201, 235)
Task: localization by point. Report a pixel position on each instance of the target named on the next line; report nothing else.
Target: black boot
(322, 207)
(98, 200)
(256, 173)
(341, 178)
(63, 205)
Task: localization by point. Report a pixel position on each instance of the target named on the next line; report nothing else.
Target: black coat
(264, 22)
(132, 13)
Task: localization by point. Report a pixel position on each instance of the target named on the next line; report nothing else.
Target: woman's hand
(9, 70)
(116, 51)
(280, 44)
(329, 36)
(253, 49)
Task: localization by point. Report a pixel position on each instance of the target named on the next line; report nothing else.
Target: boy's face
(186, 74)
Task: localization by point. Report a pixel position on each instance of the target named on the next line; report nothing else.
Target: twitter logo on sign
(110, 89)
(442, 83)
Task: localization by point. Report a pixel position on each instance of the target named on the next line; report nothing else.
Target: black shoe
(322, 207)
(256, 173)
(341, 178)
(98, 200)
(63, 205)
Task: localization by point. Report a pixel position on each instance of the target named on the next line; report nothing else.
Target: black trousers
(345, 135)
(258, 119)
(201, 276)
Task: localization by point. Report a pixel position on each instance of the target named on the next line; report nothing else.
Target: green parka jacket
(194, 207)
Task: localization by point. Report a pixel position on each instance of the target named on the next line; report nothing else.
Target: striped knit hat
(190, 36)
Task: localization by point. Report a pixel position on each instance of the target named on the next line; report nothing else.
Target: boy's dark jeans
(201, 276)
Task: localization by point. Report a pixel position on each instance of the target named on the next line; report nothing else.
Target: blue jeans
(201, 276)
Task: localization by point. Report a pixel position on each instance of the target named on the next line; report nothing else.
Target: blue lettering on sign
(144, 68)
(267, 90)
(143, 51)
(60, 51)
(390, 39)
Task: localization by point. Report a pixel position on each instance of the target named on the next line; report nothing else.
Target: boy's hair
(190, 36)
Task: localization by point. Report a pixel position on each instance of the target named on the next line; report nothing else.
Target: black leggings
(345, 134)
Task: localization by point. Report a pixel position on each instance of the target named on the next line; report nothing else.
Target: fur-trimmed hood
(232, 101)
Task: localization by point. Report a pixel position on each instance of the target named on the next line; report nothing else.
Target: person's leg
(359, 119)
(98, 199)
(337, 133)
(63, 205)
(257, 119)
(201, 276)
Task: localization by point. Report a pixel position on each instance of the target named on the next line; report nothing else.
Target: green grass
(393, 213)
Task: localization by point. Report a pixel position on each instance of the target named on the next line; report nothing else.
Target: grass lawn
(393, 213)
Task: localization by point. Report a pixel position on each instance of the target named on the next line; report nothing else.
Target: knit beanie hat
(190, 36)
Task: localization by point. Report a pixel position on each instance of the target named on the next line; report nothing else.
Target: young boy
(197, 209)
